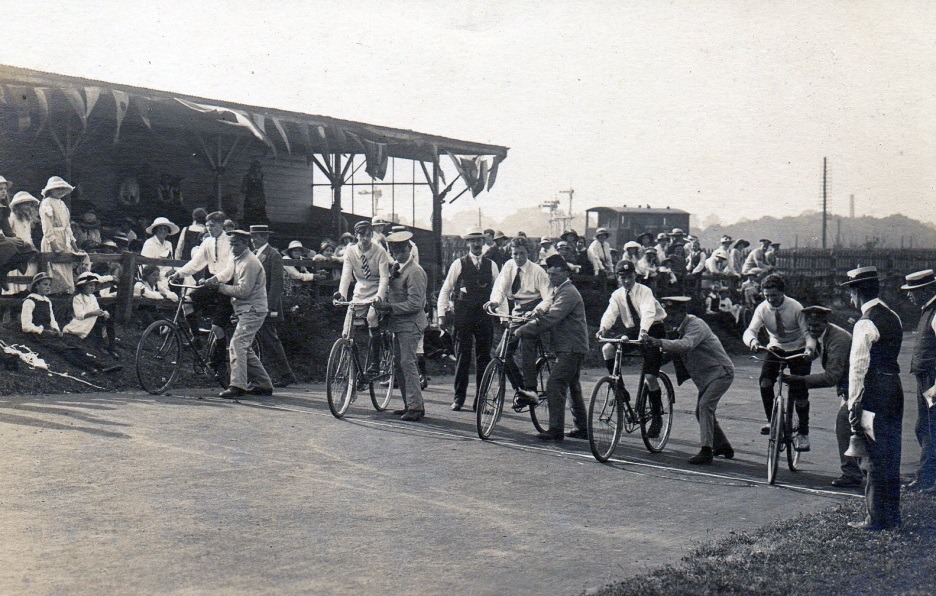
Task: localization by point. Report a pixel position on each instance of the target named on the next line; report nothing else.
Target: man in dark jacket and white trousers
(875, 398)
(565, 320)
(270, 345)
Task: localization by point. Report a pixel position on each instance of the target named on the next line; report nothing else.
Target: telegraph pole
(824, 203)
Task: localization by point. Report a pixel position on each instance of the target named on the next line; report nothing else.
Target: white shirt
(647, 307)
(599, 253)
(534, 283)
(864, 334)
(365, 287)
(448, 286)
(214, 253)
(794, 325)
(82, 323)
(154, 249)
(27, 311)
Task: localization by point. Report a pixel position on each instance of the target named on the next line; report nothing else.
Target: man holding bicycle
(785, 323)
(565, 320)
(525, 284)
(367, 264)
(642, 315)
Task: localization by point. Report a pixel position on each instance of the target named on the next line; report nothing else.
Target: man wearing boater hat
(269, 340)
(875, 398)
(700, 356)
(833, 345)
(461, 301)
(405, 303)
(921, 289)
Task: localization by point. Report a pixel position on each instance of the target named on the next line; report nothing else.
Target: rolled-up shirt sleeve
(442, 306)
(865, 334)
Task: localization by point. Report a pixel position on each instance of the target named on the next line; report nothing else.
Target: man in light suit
(270, 345)
(565, 320)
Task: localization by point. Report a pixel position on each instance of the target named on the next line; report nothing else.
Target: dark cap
(625, 268)
(363, 225)
(557, 262)
(817, 310)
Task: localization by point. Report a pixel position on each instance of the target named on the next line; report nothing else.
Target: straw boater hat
(162, 221)
(378, 221)
(243, 234)
(676, 300)
(677, 233)
(399, 237)
(86, 278)
(473, 233)
(725, 239)
(295, 244)
(920, 279)
(260, 229)
(37, 278)
(22, 197)
(56, 183)
(110, 244)
(394, 229)
(662, 236)
(601, 231)
(860, 275)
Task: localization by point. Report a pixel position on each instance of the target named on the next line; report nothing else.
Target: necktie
(822, 354)
(515, 286)
(364, 266)
(216, 249)
(635, 316)
(781, 330)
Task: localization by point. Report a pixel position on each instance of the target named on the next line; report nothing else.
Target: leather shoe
(765, 430)
(579, 433)
(551, 437)
(232, 392)
(400, 412)
(285, 382)
(413, 415)
(847, 482)
(868, 526)
(703, 457)
(726, 451)
(917, 485)
(457, 406)
(260, 391)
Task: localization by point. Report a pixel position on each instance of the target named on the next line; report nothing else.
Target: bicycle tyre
(792, 426)
(379, 397)
(774, 442)
(340, 377)
(645, 414)
(540, 413)
(490, 398)
(605, 419)
(158, 357)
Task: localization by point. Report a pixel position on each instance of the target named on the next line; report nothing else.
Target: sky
(723, 109)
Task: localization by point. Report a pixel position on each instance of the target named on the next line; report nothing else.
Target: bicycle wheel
(158, 357)
(775, 441)
(380, 395)
(340, 377)
(792, 428)
(491, 398)
(540, 413)
(655, 444)
(605, 419)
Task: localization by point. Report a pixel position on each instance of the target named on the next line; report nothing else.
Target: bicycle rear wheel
(491, 398)
(792, 428)
(605, 419)
(340, 377)
(656, 443)
(540, 413)
(380, 395)
(158, 357)
(775, 441)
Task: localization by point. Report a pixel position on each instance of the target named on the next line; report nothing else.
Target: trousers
(247, 371)
(563, 377)
(404, 361)
(843, 432)
(272, 348)
(709, 395)
(926, 431)
(476, 333)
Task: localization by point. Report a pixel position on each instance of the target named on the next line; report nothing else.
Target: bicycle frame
(782, 432)
(631, 419)
(347, 333)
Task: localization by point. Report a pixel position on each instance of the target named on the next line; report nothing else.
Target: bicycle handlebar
(183, 286)
(776, 355)
(353, 303)
(620, 340)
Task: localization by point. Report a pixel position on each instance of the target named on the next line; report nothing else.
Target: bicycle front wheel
(775, 441)
(380, 394)
(540, 413)
(340, 377)
(491, 398)
(655, 431)
(605, 419)
(158, 357)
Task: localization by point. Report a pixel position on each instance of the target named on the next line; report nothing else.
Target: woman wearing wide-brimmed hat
(57, 236)
(23, 220)
(157, 246)
(346, 240)
(87, 230)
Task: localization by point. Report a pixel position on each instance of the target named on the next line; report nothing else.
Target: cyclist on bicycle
(527, 285)
(785, 323)
(642, 316)
(367, 263)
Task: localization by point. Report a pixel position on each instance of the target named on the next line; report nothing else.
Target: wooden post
(438, 265)
(125, 286)
(336, 183)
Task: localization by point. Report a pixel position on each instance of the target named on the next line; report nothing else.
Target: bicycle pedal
(519, 409)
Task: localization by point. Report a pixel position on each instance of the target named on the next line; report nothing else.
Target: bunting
(260, 121)
(122, 101)
(229, 116)
(17, 96)
(92, 94)
(43, 101)
(492, 176)
(282, 131)
(142, 106)
(77, 103)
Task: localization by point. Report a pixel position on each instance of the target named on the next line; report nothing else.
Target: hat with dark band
(725, 239)
(546, 240)
(676, 300)
(861, 274)
(919, 279)
(86, 278)
(242, 234)
(601, 231)
(473, 233)
(260, 229)
(37, 278)
(399, 237)
(817, 310)
(625, 268)
(631, 244)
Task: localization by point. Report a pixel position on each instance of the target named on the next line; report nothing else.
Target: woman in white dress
(157, 246)
(24, 216)
(57, 236)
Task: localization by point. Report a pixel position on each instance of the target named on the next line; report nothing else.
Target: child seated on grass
(107, 275)
(149, 287)
(38, 324)
(88, 318)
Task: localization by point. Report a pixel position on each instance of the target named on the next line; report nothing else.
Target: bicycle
(159, 351)
(609, 412)
(783, 428)
(489, 403)
(346, 376)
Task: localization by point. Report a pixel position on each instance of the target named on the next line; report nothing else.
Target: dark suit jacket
(564, 319)
(273, 267)
(836, 349)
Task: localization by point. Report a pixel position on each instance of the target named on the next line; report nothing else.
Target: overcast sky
(712, 107)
